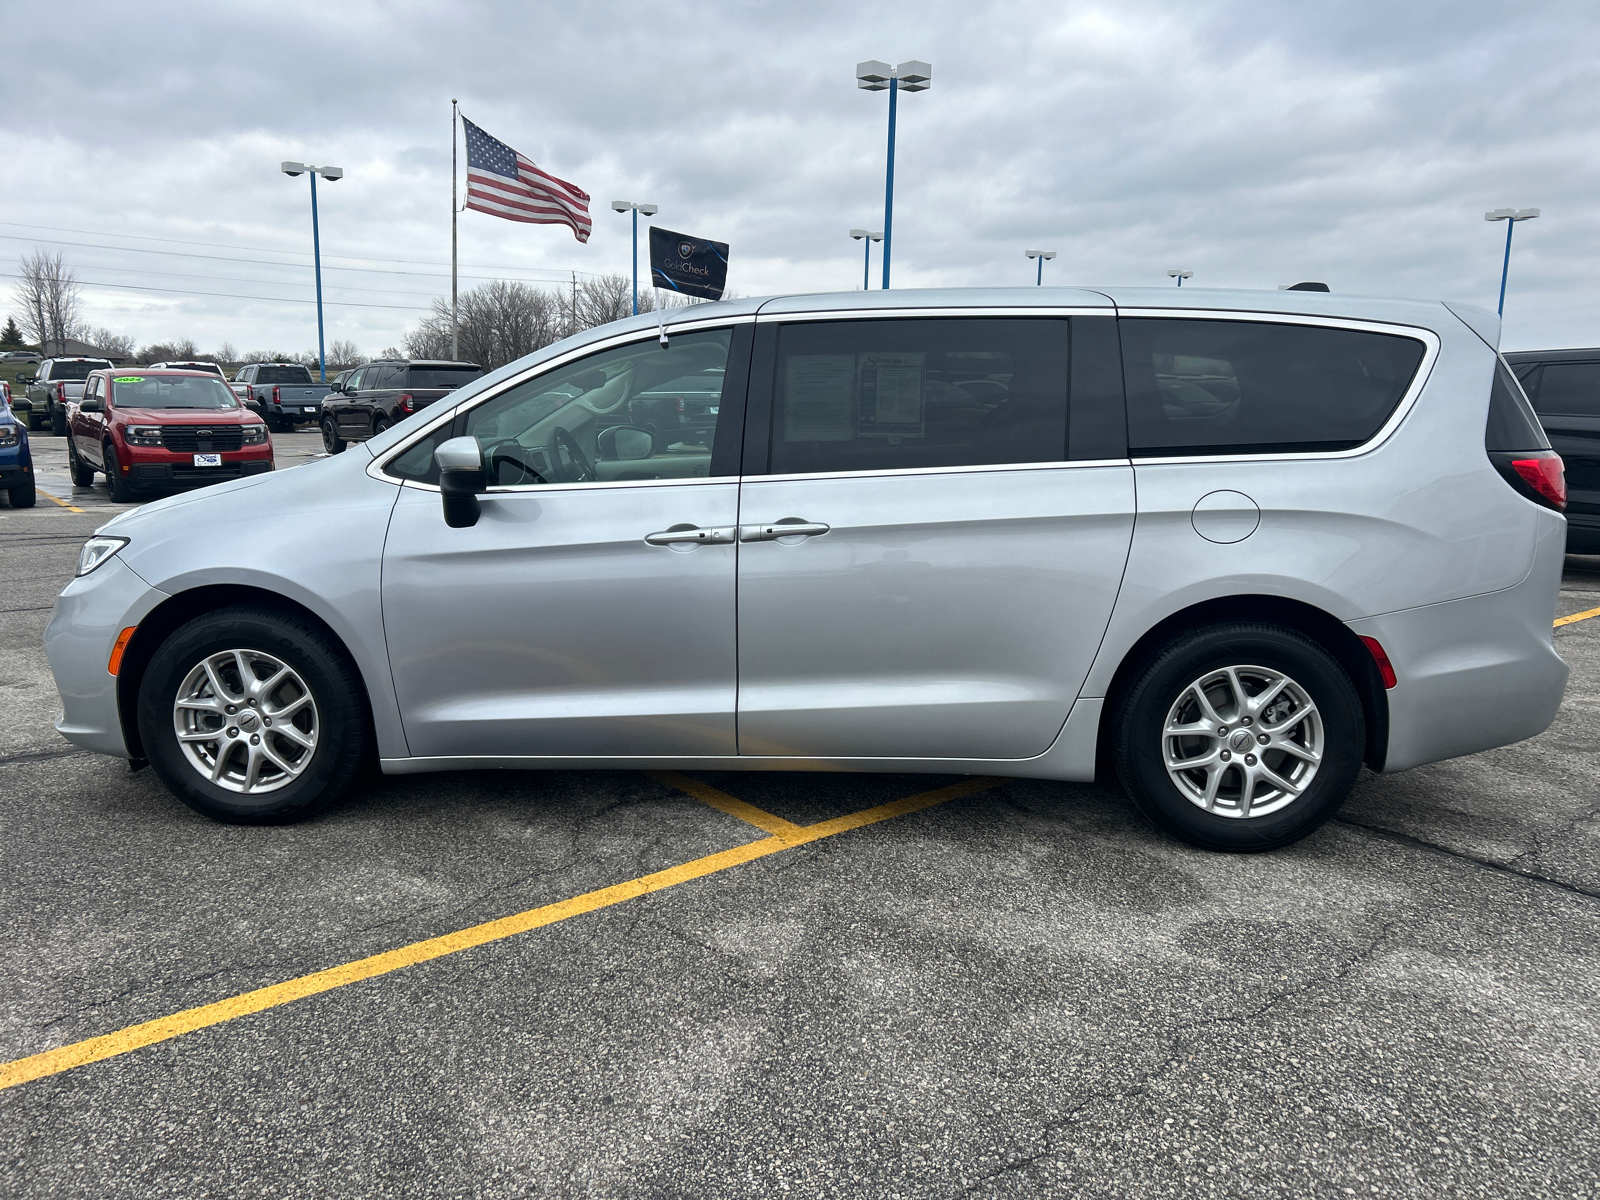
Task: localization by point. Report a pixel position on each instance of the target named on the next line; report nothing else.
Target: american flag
(503, 183)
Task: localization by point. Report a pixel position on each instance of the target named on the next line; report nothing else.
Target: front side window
(895, 394)
(610, 417)
(1571, 389)
(171, 391)
(1258, 387)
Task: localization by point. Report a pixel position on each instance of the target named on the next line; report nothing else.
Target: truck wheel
(82, 472)
(35, 420)
(24, 495)
(1240, 736)
(331, 441)
(253, 716)
(117, 485)
(58, 420)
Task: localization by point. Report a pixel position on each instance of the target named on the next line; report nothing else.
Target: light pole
(330, 174)
(866, 265)
(1510, 216)
(1180, 276)
(874, 76)
(1041, 255)
(648, 210)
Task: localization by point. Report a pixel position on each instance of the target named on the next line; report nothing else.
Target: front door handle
(692, 535)
(789, 527)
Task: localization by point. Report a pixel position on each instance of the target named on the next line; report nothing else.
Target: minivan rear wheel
(1243, 736)
(253, 716)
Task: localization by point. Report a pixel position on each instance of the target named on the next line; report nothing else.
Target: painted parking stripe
(1575, 617)
(58, 500)
(148, 1033)
(732, 805)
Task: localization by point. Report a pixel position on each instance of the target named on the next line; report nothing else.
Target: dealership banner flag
(690, 265)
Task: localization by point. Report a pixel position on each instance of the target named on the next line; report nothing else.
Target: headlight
(96, 550)
(143, 435)
(8, 435)
(255, 434)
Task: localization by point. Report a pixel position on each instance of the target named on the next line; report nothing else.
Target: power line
(343, 287)
(133, 287)
(269, 250)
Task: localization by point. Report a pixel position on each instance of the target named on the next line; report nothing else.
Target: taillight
(1539, 475)
(407, 402)
(680, 403)
(61, 392)
(276, 397)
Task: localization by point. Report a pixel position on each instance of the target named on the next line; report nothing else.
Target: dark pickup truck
(283, 393)
(385, 392)
(58, 382)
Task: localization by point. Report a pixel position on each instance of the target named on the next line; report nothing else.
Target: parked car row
(57, 383)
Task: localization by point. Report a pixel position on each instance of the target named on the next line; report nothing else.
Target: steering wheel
(511, 452)
(575, 467)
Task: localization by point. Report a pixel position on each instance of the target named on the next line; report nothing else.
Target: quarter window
(1255, 387)
(912, 393)
(1571, 389)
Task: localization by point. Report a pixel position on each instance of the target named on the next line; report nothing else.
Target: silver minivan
(1229, 545)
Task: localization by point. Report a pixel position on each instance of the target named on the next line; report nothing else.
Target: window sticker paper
(817, 397)
(891, 395)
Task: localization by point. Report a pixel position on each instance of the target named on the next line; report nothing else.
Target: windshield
(283, 375)
(442, 377)
(76, 370)
(171, 391)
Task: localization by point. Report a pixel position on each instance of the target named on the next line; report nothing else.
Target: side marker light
(123, 638)
(1381, 657)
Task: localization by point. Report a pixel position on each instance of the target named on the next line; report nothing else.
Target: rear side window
(441, 377)
(1257, 387)
(1571, 389)
(905, 394)
(1512, 425)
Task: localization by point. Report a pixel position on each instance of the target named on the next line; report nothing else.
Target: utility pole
(455, 318)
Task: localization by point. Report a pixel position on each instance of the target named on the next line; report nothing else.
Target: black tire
(379, 426)
(82, 472)
(1140, 719)
(331, 441)
(35, 420)
(58, 420)
(341, 718)
(117, 485)
(24, 495)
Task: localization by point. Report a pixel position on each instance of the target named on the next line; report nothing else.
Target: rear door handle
(786, 528)
(679, 535)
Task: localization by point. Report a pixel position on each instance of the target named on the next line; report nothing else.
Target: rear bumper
(1477, 673)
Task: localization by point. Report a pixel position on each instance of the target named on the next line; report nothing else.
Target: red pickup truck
(147, 428)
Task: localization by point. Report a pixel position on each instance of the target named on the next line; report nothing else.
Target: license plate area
(208, 460)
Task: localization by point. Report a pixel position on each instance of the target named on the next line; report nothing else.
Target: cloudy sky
(1253, 143)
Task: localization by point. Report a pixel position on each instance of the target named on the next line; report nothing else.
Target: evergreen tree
(11, 335)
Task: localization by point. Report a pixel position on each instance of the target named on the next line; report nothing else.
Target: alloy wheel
(1242, 741)
(246, 721)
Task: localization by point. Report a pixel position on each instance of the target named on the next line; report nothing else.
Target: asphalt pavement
(1022, 990)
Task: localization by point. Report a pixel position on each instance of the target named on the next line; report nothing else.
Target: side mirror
(91, 406)
(461, 480)
(625, 443)
(25, 380)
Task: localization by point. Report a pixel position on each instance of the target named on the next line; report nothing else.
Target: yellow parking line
(148, 1033)
(58, 500)
(732, 805)
(1583, 616)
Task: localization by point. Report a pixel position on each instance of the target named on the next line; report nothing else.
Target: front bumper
(89, 614)
(185, 474)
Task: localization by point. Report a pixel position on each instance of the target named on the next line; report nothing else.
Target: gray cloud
(1253, 143)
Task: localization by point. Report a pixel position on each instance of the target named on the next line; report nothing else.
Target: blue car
(16, 463)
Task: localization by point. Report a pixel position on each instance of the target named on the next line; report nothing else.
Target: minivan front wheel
(253, 716)
(1244, 736)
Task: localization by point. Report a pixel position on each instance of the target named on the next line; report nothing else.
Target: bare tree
(113, 345)
(48, 295)
(342, 355)
(226, 353)
(499, 322)
(607, 298)
(173, 350)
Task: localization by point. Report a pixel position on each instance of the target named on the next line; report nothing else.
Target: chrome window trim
(966, 469)
(1009, 310)
(1431, 345)
(375, 469)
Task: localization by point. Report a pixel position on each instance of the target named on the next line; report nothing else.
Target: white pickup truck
(282, 392)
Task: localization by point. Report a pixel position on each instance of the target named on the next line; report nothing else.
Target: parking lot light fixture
(1510, 216)
(1180, 276)
(913, 75)
(331, 174)
(648, 210)
(1040, 255)
(867, 236)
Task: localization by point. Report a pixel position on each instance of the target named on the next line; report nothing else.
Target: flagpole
(455, 325)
